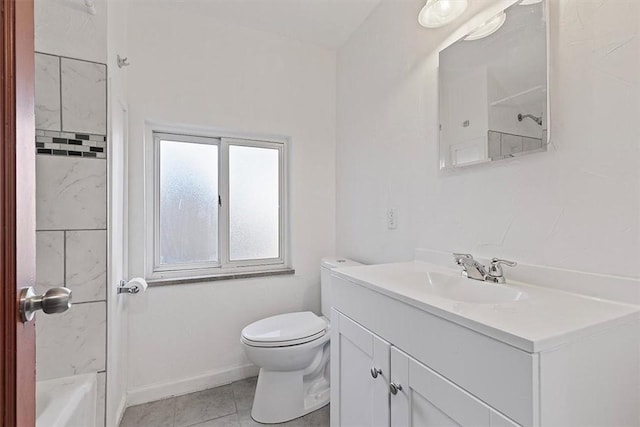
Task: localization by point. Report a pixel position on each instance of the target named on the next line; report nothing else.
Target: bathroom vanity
(416, 344)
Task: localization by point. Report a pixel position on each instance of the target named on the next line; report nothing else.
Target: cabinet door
(357, 398)
(425, 398)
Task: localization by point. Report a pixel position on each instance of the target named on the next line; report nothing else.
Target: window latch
(219, 200)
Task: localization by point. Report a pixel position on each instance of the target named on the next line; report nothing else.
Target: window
(218, 206)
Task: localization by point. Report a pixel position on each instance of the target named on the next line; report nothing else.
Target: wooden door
(359, 375)
(17, 211)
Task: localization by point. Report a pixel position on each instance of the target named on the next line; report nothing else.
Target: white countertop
(547, 319)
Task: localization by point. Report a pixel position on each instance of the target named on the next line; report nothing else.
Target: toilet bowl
(292, 351)
(294, 377)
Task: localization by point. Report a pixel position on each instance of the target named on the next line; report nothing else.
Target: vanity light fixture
(91, 7)
(437, 13)
(488, 28)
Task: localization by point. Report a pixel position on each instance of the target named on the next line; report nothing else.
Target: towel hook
(122, 62)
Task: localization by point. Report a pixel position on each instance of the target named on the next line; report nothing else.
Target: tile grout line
(60, 86)
(70, 57)
(64, 257)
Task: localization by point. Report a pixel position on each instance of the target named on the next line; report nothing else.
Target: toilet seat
(285, 330)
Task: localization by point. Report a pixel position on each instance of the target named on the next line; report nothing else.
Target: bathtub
(67, 402)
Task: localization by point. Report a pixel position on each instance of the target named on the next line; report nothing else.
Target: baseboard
(207, 380)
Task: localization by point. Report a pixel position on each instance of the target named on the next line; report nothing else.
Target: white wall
(65, 28)
(117, 316)
(188, 69)
(576, 206)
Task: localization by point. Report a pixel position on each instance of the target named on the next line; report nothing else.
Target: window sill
(217, 277)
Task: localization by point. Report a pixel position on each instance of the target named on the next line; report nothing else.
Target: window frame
(224, 267)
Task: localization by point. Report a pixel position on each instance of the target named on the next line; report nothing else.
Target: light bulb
(437, 13)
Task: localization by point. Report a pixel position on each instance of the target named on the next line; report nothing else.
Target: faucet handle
(498, 261)
(495, 267)
(459, 257)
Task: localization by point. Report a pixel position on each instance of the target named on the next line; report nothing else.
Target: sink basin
(462, 289)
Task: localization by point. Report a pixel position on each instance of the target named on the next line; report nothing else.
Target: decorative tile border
(71, 144)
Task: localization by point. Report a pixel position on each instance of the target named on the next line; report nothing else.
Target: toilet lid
(286, 329)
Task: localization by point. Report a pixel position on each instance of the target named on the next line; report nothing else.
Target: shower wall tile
(511, 144)
(71, 207)
(101, 399)
(49, 260)
(72, 342)
(530, 144)
(494, 145)
(86, 264)
(84, 96)
(71, 193)
(47, 99)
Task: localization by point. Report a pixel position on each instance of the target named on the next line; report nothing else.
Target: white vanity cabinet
(380, 385)
(448, 373)
(360, 365)
(426, 399)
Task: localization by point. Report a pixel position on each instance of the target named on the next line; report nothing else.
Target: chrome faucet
(474, 270)
(470, 267)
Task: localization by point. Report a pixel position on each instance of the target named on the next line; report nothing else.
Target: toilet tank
(326, 265)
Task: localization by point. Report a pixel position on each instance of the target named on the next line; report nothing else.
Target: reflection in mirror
(493, 89)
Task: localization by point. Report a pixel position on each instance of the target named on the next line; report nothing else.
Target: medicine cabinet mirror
(493, 97)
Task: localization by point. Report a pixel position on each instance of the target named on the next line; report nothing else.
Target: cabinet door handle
(395, 388)
(375, 372)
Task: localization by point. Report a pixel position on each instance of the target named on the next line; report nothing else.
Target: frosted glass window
(254, 203)
(188, 229)
(217, 206)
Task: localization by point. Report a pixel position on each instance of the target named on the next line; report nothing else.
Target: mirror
(493, 89)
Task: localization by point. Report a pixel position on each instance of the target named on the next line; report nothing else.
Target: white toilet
(292, 351)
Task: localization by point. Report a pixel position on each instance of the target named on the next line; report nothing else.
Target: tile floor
(225, 406)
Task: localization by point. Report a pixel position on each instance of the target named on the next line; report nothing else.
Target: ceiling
(327, 23)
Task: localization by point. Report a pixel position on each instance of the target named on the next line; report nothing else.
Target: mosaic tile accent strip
(71, 144)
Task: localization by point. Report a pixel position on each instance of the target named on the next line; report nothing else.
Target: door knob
(375, 372)
(395, 388)
(54, 300)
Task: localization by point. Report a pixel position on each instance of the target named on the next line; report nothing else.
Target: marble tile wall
(71, 193)
(86, 264)
(48, 92)
(49, 260)
(503, 145)
(84, 96)
(72, 342)
(71, 95)
(71, 216)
